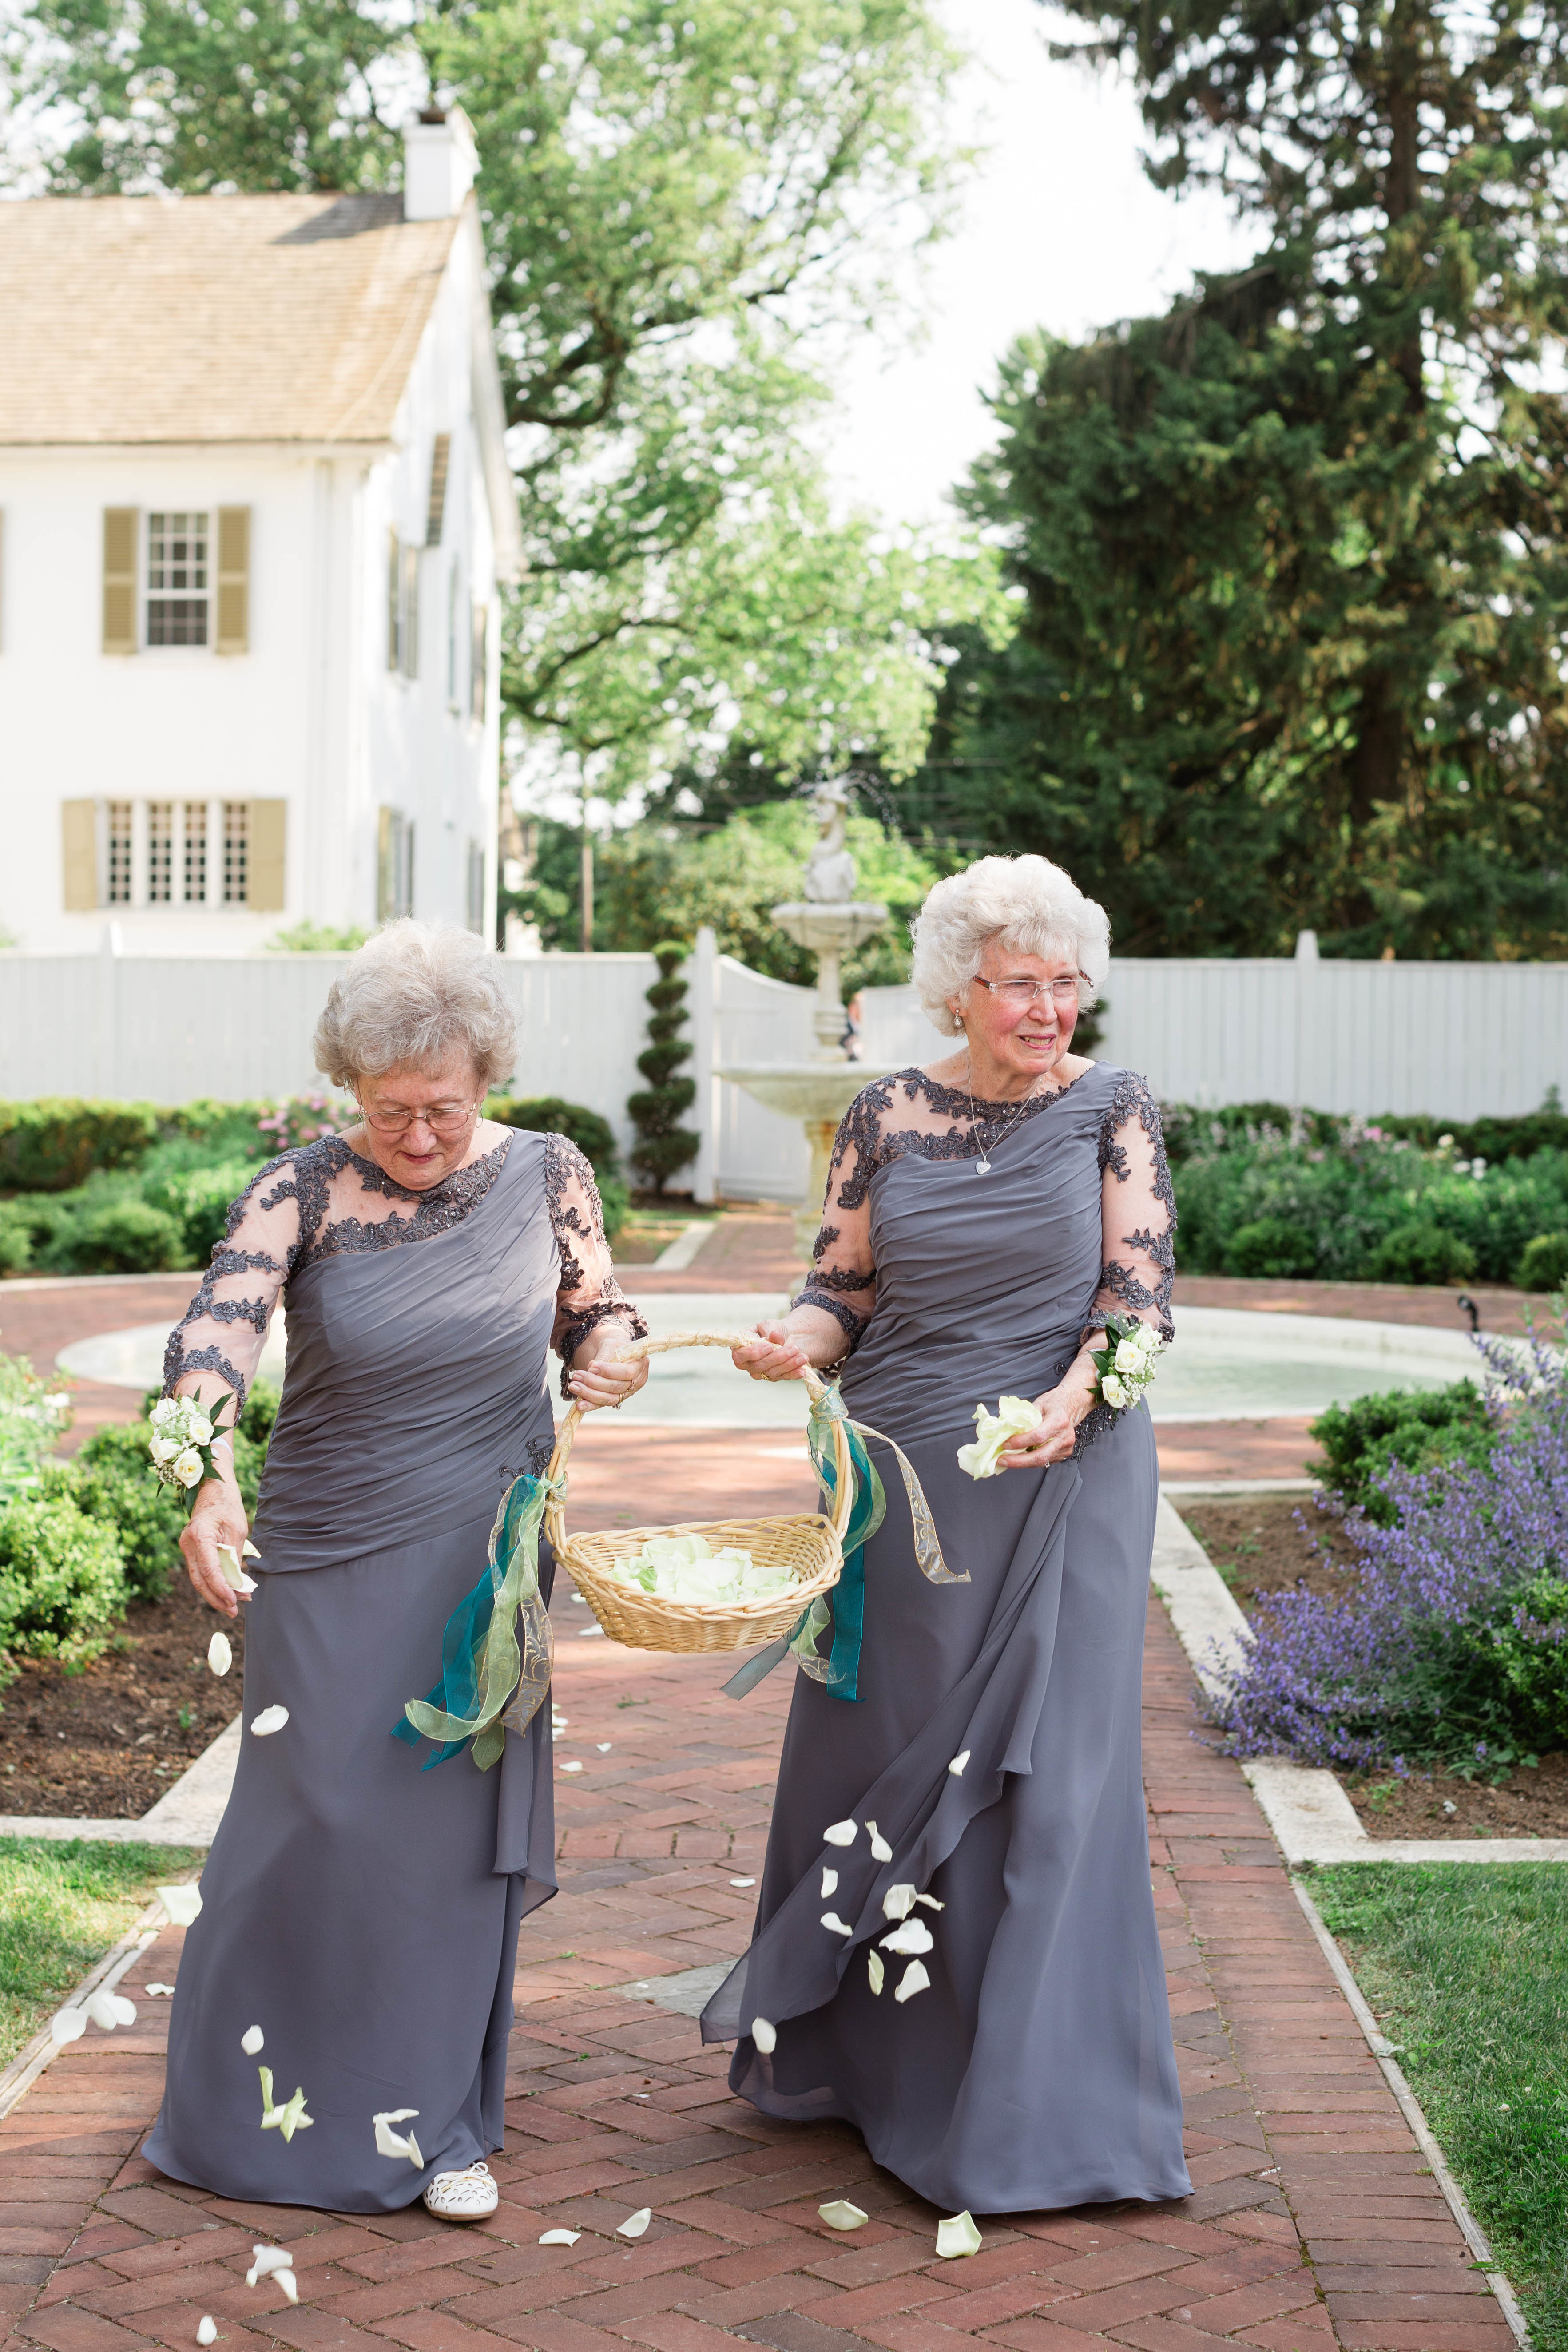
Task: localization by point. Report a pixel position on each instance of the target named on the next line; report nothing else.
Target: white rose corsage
(1125, 1366)
(184, 1435)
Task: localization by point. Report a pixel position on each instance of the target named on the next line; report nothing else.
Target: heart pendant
(982, 1168)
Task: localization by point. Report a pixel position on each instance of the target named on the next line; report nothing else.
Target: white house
(254, 510)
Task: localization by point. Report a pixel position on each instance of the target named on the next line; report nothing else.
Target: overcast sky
(1059, 228)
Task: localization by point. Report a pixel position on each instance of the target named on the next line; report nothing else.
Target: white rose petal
(1012, 1417)
(1113, 1390)
(829, 1884)
(107, 2009)
(603, 1745)
(252, 2040)
(157, 1991)
(957, 2236)
(220, 1657)
(831, 1919)
(881, 1850)
(930, 1902)
(743, 1882)
(181, 1903)
(200, 1428)
(286, 2116)
(635, 2223)
(914, 1935)
(876, 1971)
(559, 2237)
(289, 2283)
(206, 2330)
(841, 2215)
(571, 1768)
(959, 1761)
(268, 2261)
(764, 2035)
(914, 1979)
(187, 1468)
(270, 1720)
(898, 1902)
(163, 1449)
(66, 2025)
(390, 2143)
(1129, 1356)
(228, 1561)
(841, 1833)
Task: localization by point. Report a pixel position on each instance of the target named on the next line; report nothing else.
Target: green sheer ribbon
(495, 1650)
(844, 1608)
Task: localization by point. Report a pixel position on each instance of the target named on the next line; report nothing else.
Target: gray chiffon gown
(1037, 2070)
(359, 1908)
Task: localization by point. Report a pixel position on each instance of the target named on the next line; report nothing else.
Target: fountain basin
(830, 925)
(817, 1094)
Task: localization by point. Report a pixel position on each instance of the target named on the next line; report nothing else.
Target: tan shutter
(119, 580)
(440, 456)
(233, 636)
(265, 880)
(383, 875)
(478, 661)
(411, 612)
(394, 596)
(79, 859)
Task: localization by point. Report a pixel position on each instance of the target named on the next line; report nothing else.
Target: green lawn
(1466, 1965)
(62, 1905)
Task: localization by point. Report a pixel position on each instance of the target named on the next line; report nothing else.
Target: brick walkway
(1313, 2223)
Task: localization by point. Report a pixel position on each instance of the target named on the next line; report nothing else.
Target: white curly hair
(412, 993)
(1030, 905)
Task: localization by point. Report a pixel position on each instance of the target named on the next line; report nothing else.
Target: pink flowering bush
(303, 1119)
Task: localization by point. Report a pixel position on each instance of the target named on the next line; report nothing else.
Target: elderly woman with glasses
(360, 1905)
(955, 1945)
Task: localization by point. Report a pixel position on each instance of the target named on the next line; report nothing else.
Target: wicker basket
(802, 1542)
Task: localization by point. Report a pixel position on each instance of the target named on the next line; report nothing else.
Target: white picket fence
(1455, 1040)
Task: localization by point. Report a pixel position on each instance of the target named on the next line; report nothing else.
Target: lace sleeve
(843, 1278)
(588, 1294)
(1137, 1212)
(223, 1329)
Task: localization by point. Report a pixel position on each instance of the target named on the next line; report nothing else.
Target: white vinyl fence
(1455, 1040)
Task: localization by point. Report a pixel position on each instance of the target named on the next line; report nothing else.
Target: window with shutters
(157, 854)
(177, 582)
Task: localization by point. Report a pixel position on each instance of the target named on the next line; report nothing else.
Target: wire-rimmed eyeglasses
(1024, 992)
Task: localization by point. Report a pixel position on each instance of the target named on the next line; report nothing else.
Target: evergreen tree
(663, 1145)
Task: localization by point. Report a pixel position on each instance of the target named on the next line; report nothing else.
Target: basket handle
(640, 1349)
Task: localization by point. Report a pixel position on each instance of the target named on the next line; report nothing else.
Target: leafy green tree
(1293, 554)
(676, 200)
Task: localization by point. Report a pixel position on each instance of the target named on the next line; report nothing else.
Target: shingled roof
(227, 319)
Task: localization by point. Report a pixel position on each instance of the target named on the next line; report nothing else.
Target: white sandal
(467, 2196)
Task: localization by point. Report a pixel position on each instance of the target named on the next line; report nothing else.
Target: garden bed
(1258, 1544)
(107, 1742)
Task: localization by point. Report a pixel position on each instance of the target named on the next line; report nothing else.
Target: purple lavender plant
(1350, 1677)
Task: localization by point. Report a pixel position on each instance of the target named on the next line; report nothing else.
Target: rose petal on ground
(587, 1632)
(635, 2223)
(841, 2215)
(829, 1884)
(743, 1882)
(957, 2235)
(914, 1979)
(876, 1970)
(252, 2040)
(559, 2237)
(181, 1903)
(158, 1992)
(603, 1745)
(831, 1919)
(898, 1902)
(914, 1935)
(268, 2260)
(881, 1850)
(66, 2025)
(959, 1761)
(104, 2012)
(841, 1832)
(220, 1657)
(764, 2035)
(270, 1720)
(206, 2330)
(124, 2007)
(289, 2283)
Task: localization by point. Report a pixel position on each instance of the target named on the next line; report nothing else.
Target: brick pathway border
(1314, 2222)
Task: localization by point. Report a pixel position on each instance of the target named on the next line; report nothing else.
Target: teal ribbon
(495, 1648)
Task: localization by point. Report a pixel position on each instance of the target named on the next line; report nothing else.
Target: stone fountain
(831, 921)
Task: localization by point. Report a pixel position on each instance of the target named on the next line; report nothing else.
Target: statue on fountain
(830, 876)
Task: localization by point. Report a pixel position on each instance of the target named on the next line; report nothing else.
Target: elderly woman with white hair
(962, 1774)
(360, 1905)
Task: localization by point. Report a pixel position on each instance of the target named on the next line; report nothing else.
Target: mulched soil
(1264, 1543)
(108, 1741)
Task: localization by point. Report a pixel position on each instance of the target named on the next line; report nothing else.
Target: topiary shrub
(1272, 1247)
(115, 1236)
(62, 1579)
(1418, 1429)
(663, 1145)
(1544, 1265)
(1424, 1253)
